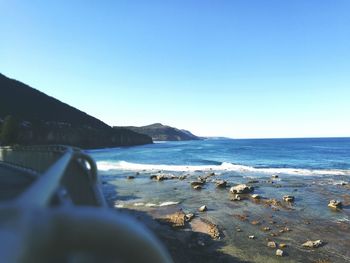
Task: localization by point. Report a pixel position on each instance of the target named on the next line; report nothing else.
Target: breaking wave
(225, 166)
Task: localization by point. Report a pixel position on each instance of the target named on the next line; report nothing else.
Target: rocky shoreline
(255, 220)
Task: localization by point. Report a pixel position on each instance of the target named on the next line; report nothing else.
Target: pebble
(256, 196)
(272, 244)
(251, 237)
(335, 204)
(197, 187)
(203, 208)
(288, 198)
(236, 198)
(279, 252)
(282, 245)
(189, 216)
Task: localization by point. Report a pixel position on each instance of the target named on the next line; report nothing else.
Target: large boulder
(313, 244)
(241, 189)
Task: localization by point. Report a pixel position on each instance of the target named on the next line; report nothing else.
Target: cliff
(41, 119)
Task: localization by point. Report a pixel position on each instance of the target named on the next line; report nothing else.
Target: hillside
(160, 132)
(42, 119)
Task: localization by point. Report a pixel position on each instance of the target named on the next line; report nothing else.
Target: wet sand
(267, 219)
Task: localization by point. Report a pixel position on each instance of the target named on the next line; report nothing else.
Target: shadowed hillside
(41, 119)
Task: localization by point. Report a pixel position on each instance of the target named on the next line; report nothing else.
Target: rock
(221, 183)
(241, 189)
(213, 230)
(202, 179)
(266, 228)
(253, 182)
(160, 177)
(238, 230)
(203, 208)
(130, 177)
(197, 187)
(312, 244)
(272, 244)
(335, 204)
(153, 176)
(282, 245)
(274, 176)
(255, 222)
(211, 174)
(189, 217)
(236, 198)
(193, 184)
(137, 173)
(279, 253)
(288, 198)
(251, 237)
(182, 177)
(256, 196)
(176, 219)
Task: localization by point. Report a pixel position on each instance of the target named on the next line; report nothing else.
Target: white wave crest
(123, 165)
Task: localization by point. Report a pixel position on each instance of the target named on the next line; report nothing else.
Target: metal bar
(43, 189)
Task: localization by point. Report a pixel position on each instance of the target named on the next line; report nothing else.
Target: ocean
(313, 171)
(291, 156)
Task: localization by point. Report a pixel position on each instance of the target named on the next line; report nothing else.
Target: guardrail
(63, 217)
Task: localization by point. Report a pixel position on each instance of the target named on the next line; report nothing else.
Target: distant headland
(160, 132)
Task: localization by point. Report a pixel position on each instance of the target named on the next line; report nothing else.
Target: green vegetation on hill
(28, 117)
(160, 132)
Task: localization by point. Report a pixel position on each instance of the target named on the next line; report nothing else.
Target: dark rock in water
(189, 217)
(193, 184)
(253, 182)
(221, 184)
(130, 177)
(288, 198)
(202, 179)
(256, 196)
(161, 177)
(241, 189)
(182, 177)
(335, 204)
(153, 177)
(274, 176)
(137, 173)
(197, 187)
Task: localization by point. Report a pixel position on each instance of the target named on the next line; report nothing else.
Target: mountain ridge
(160, 132)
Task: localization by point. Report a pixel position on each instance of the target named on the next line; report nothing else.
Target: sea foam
(225, 166)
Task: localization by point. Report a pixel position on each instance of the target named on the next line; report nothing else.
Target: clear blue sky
(237, 68)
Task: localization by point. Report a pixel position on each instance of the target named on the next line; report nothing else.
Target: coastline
(268, 218)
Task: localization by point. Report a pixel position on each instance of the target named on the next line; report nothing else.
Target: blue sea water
(297, 156)
(314, 171)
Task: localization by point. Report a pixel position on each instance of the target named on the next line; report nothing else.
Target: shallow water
(308, 217)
